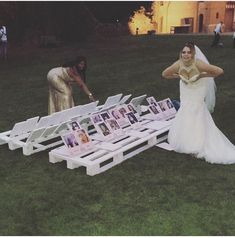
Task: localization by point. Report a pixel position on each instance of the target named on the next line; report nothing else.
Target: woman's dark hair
(75, 62)
(190, 45)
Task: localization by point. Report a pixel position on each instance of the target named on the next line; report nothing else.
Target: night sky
(110, 11)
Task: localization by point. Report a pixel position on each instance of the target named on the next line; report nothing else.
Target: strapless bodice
(188, 71)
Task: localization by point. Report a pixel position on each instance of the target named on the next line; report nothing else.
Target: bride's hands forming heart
(183, 79)
(194, 78)
(191, 80)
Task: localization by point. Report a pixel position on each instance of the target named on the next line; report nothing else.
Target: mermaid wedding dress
(193, 131)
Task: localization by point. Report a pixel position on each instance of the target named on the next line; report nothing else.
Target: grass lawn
(154, 193)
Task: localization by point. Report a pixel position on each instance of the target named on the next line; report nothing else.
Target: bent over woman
(60, 81)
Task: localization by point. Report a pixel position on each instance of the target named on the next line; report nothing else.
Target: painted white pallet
(108, 154)
(35, 135)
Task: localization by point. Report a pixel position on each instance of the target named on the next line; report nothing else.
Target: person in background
(217, 31)
(60, 80)
(3, 42)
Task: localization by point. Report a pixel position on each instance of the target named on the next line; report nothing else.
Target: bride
(193, 131)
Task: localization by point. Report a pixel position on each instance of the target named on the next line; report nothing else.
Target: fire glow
(141, 22)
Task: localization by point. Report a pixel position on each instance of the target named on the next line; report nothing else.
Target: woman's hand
(194, 78)
(91, 97)
(186, 81)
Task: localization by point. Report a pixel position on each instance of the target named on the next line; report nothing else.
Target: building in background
(187, 16)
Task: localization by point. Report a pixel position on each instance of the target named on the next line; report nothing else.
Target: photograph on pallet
(131, 108)
(96, 118)
(104, 130)
(115, 114)
(134, 122)
(71, 142)
(168, 112)
(152, 100)
(77, 139)
(155, 109)
(85, 142)
(123, 121)
(115, 127)
(73, 126)
(105, 115)
(170, 106)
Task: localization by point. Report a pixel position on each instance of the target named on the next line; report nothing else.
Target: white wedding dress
(193, 130)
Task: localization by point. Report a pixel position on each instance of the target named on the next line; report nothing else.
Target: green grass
(154, 193)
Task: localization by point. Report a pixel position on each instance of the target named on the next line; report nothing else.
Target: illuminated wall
(212, 12)
(170, 13)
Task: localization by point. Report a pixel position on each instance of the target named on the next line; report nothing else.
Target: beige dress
(60, 90)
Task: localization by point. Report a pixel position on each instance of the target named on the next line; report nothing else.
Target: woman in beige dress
(60, 88)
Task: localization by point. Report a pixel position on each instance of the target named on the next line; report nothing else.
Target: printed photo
(132, 118)
(96, 118)
(74, 126)
(153, 109)
(115, 114)
(162, 106)
(104, 129)
(131, 108)
(170, 109)
(105, 115)
(82, 136)
(169, 104)
(122, 111)
(151, 100)
(69, 140)
(113, 124)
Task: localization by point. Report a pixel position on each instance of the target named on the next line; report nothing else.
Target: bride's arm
(208, 70)
(172, 71)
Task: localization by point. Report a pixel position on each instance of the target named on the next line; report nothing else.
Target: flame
(141, 22)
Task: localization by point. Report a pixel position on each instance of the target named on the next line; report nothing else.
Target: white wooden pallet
(106, 155)
(35, 135)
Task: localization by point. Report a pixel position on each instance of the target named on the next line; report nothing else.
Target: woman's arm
(208, 70)
(172, 71)
(81, 84)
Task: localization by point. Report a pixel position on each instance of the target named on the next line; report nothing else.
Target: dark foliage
(28, 21)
